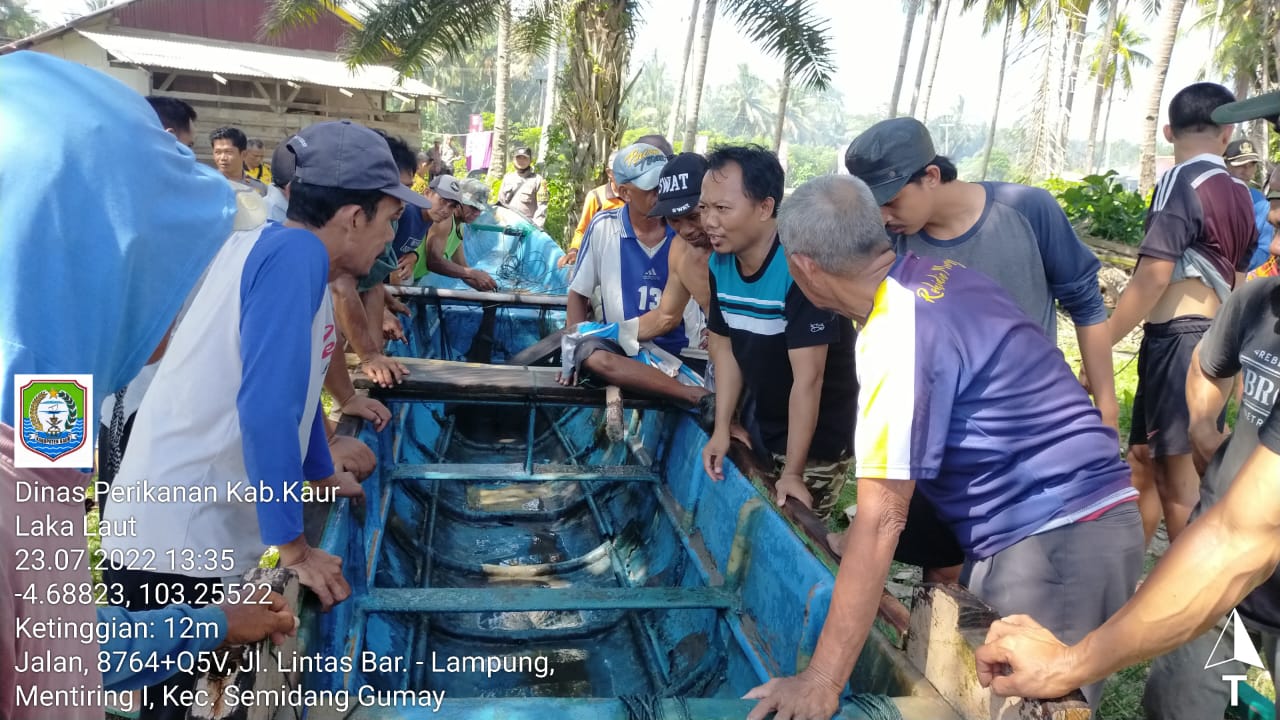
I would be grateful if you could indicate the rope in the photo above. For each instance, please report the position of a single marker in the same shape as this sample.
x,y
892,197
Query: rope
x,y
115,433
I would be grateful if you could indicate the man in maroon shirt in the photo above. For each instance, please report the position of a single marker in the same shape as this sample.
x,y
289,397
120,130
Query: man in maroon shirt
x,y
1199,238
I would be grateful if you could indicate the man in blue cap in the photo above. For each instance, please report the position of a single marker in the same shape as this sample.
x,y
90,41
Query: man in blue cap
x,y
236,401
624,258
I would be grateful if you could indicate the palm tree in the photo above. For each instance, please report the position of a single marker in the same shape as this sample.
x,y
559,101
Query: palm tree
x,y
1044,159
799,30
1169,35
996,13
791,30
1077,12
913,9
1125,49
502,84
699,74
924,52
674,116
1113,11
745,103
933,62
410,34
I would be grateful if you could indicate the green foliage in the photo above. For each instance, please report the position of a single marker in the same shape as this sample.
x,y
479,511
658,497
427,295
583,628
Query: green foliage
x,y
805,162
17,20
1102,207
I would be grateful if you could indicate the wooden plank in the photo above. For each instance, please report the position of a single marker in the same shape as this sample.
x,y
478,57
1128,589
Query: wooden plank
x,y
524,599
444,380
947,625
515,472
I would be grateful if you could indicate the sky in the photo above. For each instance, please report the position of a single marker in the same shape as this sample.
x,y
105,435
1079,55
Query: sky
x,y
867,36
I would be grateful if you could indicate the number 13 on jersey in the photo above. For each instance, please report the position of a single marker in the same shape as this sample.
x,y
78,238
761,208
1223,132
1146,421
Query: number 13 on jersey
x,y
650,297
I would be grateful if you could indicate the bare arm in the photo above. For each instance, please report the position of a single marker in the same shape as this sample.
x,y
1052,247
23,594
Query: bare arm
x,y
1149,282
456,266
670,311
1095,356
351,317
728,392
577,308
1217,560
1206,397
807,367
882,513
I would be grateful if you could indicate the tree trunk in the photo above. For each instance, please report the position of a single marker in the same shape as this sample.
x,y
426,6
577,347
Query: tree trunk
x,y
590,104
699,75
674,116
924,53
549,99
1079,27
903,53
502,81
1168,36
933,63
995,108
1100,85
1043,159
1106,151
780,123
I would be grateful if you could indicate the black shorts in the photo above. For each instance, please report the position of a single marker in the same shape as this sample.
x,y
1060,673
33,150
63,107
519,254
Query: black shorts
x,y
1160,416
926,541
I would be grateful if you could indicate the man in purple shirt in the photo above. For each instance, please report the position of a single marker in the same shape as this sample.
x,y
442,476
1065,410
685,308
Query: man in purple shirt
x,y
1001,439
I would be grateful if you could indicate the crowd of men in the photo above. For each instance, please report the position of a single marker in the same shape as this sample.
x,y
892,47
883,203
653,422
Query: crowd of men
x,y
895,324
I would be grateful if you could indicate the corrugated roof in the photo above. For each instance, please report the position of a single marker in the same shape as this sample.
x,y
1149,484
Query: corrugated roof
x,y
240,61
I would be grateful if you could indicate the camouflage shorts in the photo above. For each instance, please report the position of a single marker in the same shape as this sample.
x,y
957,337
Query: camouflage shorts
x,y
825,480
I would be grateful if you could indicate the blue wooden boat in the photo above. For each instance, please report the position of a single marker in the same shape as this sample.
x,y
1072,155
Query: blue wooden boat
x,y
512,556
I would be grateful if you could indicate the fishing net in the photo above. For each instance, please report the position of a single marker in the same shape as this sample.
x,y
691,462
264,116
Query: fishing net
x,y
521,259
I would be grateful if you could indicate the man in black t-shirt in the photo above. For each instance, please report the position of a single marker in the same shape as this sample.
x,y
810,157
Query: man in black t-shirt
x,y
1243,340
765,336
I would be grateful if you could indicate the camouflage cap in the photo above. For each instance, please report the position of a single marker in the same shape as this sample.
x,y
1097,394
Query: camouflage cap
x,y
474,193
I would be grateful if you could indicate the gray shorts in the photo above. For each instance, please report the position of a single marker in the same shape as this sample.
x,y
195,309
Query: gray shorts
x,y
1180,688
1070,579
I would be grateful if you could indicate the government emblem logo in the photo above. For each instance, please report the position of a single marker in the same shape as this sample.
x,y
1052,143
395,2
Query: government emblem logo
x,y
54,421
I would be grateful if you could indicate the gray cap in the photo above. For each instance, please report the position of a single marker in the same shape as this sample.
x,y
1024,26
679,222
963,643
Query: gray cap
x,y
448,187
888,154
475,193
342,154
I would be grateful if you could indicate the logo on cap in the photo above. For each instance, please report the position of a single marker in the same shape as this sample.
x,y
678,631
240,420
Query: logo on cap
x,y
671,183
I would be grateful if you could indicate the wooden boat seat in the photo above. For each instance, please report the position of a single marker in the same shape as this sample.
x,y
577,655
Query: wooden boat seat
x,y
445,380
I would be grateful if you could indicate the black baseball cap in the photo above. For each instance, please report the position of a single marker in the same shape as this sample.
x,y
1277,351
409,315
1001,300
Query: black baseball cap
x,y
342,154
523,151
680,185
1265,106
888,154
